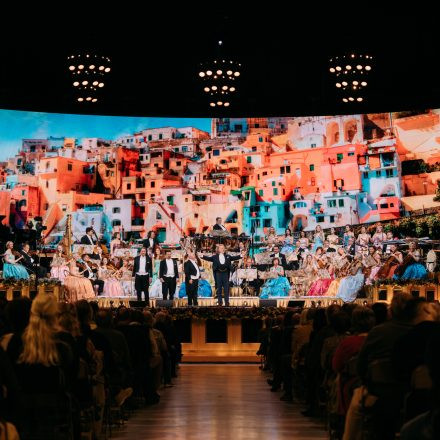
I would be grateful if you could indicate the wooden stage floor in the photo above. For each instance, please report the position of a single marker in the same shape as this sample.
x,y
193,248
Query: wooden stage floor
x,y
219,402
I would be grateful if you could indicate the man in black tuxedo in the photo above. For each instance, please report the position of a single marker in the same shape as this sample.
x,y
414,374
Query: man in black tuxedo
x,y
192,277
221,266
218,225
151,241
87,239
168,275
30,264
92,274
142,272
281,257
350,249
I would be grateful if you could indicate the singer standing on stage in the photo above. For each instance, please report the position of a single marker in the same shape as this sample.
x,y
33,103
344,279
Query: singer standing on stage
x,y
192,277
168,275
142,272
221,266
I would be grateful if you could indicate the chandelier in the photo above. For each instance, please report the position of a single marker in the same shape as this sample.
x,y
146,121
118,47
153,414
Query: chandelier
x,y
350,73
219,79
88,72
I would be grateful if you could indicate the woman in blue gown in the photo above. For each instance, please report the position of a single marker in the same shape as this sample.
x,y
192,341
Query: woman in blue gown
x,y
204,290
350,285
318,238
278,286
416,270
288,246
10,267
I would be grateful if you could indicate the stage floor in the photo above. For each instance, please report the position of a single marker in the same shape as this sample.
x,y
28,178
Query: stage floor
x,y
246,301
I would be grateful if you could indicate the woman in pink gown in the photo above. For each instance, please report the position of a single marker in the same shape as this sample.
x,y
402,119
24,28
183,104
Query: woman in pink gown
x,y
59,268
77,287
112,285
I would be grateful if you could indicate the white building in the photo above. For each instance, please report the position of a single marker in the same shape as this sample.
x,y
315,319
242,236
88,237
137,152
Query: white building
x,y
119,213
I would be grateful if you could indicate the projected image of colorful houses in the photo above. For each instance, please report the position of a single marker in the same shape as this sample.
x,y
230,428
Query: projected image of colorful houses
x,y
254,173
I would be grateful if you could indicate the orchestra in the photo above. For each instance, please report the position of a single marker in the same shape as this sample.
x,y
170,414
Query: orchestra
x,y
316,263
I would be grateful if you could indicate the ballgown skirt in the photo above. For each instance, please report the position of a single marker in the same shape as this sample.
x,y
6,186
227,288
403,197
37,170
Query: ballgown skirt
x,y
16,271
372,275
112,288
319,287
78,288
350,286
156,289
318,243
59,272
204,290
334,287
275,287
287,249
415,271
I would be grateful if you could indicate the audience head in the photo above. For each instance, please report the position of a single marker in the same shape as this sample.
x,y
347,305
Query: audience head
x,y
18,313
123,314
362,319
104,319
398,305
39,346
84,313
68,319
148,318
340,322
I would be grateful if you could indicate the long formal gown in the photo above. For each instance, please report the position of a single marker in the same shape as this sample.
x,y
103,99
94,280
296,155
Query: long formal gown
x,y
156,284
112,286
77,287
318,242
11,269
59,268
350,286
288,246
127,282
204,290
275,287
320,286
415,271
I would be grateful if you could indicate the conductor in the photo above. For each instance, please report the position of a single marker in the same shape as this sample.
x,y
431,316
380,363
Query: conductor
x,y
221,266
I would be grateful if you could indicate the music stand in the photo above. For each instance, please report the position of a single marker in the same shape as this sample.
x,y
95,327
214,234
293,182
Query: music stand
x,y
247,275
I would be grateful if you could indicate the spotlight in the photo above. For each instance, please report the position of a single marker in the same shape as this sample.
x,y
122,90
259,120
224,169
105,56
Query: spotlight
x,y
212,104
236,73
219,103
209,73
107,70
332,70
232,89
76,83
206,89
229,72
92,66
219,72
338,85
201,74
80,99
71,67
226,104
101,85
360,99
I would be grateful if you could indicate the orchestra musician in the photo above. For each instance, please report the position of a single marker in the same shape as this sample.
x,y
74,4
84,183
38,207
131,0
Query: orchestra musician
x,y
11,268
90,271
411,267
281,257
58,265
151,242
379,236
77,286
88,237
30,263
388,268
218,225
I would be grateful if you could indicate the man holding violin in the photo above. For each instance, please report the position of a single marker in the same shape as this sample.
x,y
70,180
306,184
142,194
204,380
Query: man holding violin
x,y
91,269
30,263
87,239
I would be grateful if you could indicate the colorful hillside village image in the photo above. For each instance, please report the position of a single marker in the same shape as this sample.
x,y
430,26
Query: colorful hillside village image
x,y
311,206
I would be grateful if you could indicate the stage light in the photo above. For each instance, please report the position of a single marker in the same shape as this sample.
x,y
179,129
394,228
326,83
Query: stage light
x,y
350,80
218,77
87,78
226,104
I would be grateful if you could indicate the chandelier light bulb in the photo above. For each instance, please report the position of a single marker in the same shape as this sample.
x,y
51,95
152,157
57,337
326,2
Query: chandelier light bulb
x,y
71,67
206,89
80,99
201,74
345,99
219,72
226,104
101,67
355,83
219,102
232,89
94,100
212,104
101,85
225,87
214,87
88,98
364,83
84,83
348,67
237,73
367,67
351,99
359,67
338,68
360,99
209,73
229,72
92,66
76,83
107,69
338,85
332,70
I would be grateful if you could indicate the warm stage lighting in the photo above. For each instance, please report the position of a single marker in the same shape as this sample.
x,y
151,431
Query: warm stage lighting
x,y
350,81
219,78
88,78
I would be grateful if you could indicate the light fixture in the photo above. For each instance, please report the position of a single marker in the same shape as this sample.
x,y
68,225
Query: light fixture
x,y
350,81
219,77
87,77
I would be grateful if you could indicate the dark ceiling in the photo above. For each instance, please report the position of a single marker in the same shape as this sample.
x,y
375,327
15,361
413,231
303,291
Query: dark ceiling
x,y
155,54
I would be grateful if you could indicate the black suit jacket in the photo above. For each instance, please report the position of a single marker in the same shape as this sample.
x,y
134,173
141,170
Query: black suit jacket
x,y
190,270
26,260
215,260
163,269
85,240
146,243
148,265
218,228
283,260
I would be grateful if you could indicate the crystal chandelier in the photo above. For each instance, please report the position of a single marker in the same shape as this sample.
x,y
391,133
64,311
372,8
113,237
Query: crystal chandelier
x,y
88,74
350,73
219,79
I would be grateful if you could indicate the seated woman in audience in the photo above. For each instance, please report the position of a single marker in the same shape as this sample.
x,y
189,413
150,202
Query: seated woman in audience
x,y
42,369
58,266
278,286
11,268
350,285
76,285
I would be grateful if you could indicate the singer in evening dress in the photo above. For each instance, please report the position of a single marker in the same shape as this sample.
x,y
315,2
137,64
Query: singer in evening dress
x,y
11,269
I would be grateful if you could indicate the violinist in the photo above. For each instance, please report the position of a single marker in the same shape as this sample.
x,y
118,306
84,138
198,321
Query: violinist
x,y
90,271
411,267
395,258
88,238
59,269
10,267
97,254
30,263
281,257
110,276
76,285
